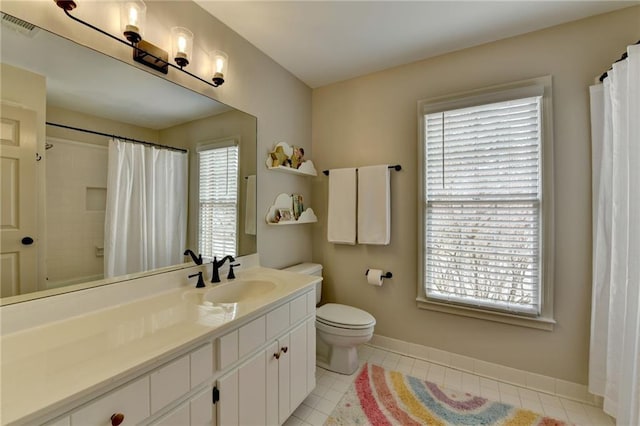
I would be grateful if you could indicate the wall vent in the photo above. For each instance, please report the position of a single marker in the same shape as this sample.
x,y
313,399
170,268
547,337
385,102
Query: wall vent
x,y
18,25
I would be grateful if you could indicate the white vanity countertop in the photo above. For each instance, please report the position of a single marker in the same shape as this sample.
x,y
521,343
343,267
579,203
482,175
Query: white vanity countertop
x,y
45,368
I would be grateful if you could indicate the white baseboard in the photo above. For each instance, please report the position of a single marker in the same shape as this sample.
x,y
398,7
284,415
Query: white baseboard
x,y
522,378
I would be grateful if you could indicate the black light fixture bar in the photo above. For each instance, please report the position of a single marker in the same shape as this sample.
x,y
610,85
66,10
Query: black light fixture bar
x,y
140,55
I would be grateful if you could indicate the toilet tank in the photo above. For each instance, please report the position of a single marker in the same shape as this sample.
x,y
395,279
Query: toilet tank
x,y
314,269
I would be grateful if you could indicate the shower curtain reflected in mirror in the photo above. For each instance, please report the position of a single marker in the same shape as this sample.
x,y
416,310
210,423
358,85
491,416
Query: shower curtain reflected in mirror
x,y
146,214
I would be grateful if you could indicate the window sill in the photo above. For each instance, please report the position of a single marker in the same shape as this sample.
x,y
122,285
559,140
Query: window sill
x,y
540,323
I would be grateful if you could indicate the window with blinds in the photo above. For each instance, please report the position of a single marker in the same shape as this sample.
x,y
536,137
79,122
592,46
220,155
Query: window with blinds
x,y
483,193
218,209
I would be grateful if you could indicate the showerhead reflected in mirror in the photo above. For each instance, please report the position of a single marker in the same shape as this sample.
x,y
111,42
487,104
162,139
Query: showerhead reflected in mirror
x,y
58,195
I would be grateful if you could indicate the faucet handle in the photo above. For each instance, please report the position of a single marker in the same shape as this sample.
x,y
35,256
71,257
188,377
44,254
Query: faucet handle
x,y
200,283
231,275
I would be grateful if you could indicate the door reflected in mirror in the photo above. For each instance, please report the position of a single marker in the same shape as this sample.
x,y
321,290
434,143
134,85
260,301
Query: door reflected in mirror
x,y
54,179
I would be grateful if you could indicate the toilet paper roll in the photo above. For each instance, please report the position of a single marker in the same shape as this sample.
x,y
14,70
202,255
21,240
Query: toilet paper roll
x,y
374,277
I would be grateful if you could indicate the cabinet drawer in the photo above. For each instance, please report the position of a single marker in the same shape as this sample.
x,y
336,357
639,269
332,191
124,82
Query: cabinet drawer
x,y
201,364
251,336
227,349
311,302
176,417
65,421
131,400
169,382
298,309
277,321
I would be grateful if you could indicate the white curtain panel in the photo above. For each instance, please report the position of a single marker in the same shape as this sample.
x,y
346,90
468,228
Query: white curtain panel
x,y
146,212
614,363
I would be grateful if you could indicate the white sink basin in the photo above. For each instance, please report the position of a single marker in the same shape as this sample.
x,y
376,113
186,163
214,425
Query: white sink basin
x,y
231,292
239,290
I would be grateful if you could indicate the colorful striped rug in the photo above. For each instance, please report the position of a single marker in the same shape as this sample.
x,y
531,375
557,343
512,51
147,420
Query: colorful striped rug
x,y
380,397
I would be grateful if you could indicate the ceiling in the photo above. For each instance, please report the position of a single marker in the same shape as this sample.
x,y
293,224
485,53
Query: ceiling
x,y
322,42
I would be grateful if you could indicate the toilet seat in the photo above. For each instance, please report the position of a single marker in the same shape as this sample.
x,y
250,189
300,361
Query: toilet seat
x,y
343,316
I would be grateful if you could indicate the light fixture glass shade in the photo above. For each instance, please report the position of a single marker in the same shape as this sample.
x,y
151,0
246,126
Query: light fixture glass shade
x,y
133,15
219,63
181,45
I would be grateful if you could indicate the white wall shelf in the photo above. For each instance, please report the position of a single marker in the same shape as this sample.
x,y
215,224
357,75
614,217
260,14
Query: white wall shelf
x,y
306,168
283,201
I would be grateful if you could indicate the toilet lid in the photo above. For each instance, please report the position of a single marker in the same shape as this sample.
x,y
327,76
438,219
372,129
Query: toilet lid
x,y
344,316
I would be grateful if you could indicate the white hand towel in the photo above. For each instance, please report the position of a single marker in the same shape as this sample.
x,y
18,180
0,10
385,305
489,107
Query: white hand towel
x,y
341,217
374,205
250,206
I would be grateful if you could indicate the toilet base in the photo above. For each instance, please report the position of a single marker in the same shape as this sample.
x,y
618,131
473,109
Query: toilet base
x,y
339,359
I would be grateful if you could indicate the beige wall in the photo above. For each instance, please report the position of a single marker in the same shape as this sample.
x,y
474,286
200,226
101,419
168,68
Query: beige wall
x,y
372,120
255,84
232,124
92,122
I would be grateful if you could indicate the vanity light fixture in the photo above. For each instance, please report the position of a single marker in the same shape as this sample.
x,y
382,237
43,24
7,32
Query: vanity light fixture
x,y
219,61
181,45
133,15
132,20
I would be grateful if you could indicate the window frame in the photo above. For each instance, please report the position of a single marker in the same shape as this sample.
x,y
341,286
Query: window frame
x,y
503,92
207,146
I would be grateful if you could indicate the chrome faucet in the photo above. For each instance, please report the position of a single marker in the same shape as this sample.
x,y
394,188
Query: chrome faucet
x,y
215,276
196,259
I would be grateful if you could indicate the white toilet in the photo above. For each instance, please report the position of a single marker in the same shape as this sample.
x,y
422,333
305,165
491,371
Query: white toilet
x,y
339,328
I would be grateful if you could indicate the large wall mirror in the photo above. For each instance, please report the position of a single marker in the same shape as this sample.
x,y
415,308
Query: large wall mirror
x,y
60,185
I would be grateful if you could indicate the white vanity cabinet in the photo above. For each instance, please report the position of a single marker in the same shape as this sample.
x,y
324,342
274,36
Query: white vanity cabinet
x,y
168,384
287,377
253,369
197,411
265,384
130,401
145,397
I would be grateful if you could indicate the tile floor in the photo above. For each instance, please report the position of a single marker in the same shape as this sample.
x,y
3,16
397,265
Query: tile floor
x,y
330,387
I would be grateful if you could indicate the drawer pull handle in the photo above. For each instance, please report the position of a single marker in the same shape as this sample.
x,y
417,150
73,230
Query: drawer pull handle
x,y
284,349
116,419
277,355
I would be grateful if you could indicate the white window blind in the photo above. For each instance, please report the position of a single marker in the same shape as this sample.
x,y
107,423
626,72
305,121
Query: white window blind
x,y
218,213
482,218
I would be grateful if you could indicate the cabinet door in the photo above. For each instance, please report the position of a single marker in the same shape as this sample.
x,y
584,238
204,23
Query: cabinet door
x,y
201,409
284,378
311,354
227,406
298,365
252,391
272,360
